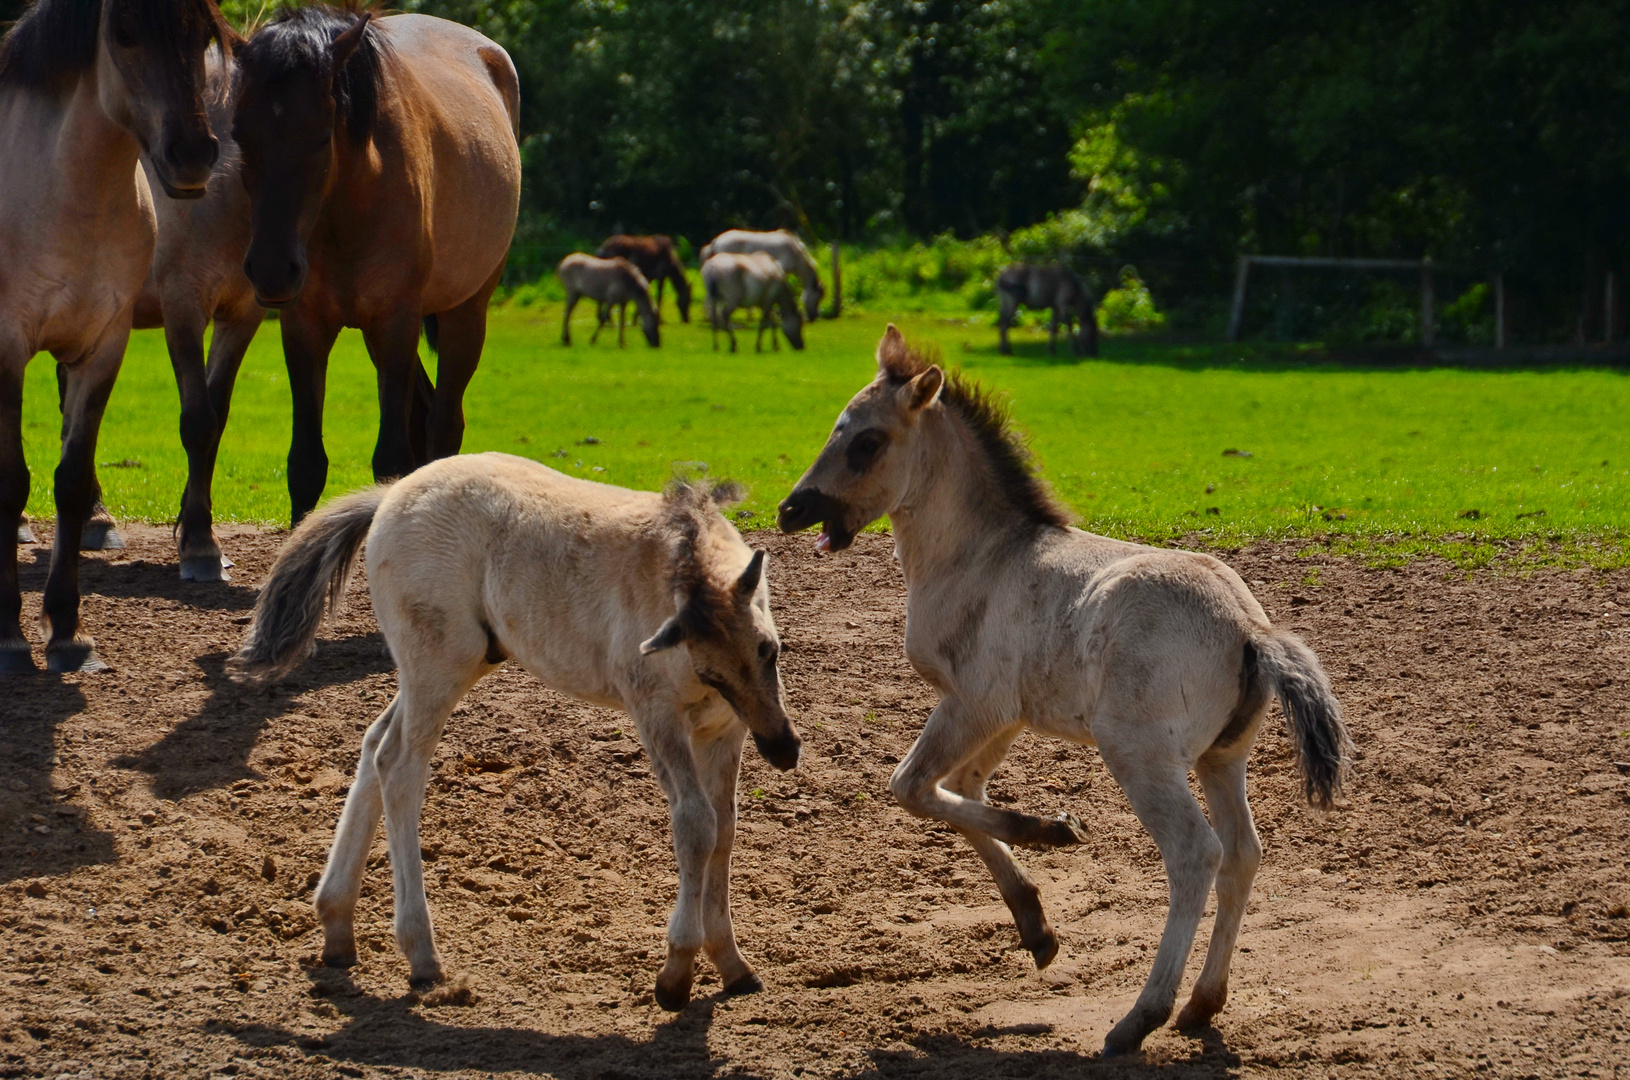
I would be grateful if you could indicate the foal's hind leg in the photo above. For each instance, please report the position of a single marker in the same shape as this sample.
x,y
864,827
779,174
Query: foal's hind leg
x,y
719,762
1224,783
336,899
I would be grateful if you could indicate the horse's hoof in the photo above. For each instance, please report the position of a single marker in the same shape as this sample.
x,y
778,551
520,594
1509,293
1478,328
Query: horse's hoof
x,y
1066,830
25,534
673,998
17,660
749,983
424,984
1044,949
101,536
340,959
75,657
205,568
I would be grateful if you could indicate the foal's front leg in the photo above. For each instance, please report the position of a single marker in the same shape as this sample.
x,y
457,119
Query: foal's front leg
x,y
719,759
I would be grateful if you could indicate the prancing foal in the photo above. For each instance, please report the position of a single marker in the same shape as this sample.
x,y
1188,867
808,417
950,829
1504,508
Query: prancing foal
x,y
647,603
384,179
85,87
1162,659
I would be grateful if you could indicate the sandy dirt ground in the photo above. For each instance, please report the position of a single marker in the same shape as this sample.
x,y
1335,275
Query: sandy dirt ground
x,y
161,828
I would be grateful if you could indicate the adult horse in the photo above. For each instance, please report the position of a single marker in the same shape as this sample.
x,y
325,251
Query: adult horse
x,y
1059,290
1161,659
384,177
658,259
786,249
86,86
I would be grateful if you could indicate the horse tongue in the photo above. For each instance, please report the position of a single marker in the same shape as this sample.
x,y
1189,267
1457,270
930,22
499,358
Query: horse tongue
x,y
823,542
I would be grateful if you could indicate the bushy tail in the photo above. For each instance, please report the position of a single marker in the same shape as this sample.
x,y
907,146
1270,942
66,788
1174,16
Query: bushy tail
x,y
1323,749
310,574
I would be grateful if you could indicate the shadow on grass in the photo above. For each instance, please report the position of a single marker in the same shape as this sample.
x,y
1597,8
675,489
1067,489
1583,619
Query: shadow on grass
x,y
211,748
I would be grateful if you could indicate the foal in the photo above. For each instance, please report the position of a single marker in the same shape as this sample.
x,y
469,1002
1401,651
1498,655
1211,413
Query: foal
x,y
1162,659
610,283
751,280
788,252
1059,290
593,589
656,258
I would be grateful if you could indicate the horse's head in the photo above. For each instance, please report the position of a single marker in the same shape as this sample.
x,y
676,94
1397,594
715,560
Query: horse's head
x,y
649,324
813,292
151,81
734,649
792,324
302,79
866,466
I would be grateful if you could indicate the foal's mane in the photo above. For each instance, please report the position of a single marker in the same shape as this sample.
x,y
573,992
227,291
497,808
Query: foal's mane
x,y
987,416
298,38
686,507
55,39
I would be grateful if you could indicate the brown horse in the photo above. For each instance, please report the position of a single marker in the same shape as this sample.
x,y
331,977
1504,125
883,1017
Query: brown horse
x,y
86,86
384,177
658,259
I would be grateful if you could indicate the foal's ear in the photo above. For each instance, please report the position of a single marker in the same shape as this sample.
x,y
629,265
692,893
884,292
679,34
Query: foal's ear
x,y
920,392
341,48
893,357
671,634
747,584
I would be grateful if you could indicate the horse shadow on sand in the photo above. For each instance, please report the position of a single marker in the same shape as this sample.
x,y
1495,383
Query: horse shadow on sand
x,y
43,833
402,1034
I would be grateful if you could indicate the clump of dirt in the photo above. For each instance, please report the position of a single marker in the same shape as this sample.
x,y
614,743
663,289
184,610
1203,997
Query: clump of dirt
x,y
161,829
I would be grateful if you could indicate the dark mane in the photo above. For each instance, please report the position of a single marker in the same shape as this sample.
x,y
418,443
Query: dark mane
x,y
686,507
56,39
986,414
298,38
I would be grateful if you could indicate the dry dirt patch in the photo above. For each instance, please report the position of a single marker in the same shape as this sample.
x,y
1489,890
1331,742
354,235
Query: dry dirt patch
x,y
160,830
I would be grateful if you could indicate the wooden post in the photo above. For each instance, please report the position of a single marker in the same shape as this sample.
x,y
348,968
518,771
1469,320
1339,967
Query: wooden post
x,y
837,283
1428,329
1607,309
1236,315
1499,311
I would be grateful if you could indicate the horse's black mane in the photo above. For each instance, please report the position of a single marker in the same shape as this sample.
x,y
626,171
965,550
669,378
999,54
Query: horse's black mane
x,y
298,39
55,39
687,504
987,417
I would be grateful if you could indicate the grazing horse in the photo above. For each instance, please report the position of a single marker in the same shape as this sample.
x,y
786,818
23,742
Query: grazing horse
x,y
86,86
1061,291
474,560
384,177
1162,659
658,259
610,283
786,249
754,280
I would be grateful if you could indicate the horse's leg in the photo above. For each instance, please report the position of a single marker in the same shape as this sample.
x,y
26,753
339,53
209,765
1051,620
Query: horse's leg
x,y
601,317
1159,793
393,342
730,326
572,296
660,282
16,657
719,762
1224,783
336,899
622,320
227,347
695,828
89,382
306,345
950,739
462,336
101,532
1020,894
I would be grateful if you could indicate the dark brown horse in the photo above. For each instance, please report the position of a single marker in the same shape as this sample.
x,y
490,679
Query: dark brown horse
x,y
658,259
86,87
384,177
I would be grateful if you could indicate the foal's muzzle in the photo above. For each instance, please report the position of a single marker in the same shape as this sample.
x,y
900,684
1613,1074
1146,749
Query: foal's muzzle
x,y
810,506
781,751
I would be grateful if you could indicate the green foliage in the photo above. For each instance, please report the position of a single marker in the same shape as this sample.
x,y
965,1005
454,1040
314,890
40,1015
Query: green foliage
x,y
1129,307
945,273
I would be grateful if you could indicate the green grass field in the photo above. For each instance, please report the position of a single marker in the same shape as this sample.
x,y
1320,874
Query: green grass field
x,y
1135,441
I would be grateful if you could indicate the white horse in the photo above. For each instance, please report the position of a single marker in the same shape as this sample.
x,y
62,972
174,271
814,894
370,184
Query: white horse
x,y
753,280
593,589
788,252
84,87
610,283
1162,659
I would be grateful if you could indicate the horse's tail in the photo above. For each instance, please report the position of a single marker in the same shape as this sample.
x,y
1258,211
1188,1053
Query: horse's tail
x,y
432,334
310,573
1323,748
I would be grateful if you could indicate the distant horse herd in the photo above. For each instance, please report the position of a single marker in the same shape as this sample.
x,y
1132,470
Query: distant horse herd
x,y
350,169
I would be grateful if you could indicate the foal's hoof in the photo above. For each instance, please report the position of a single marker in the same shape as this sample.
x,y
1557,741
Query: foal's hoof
x,y
340,959
205,568
75,657
1065,830
101,536
424,984
1043,948
17,660
749,983
25,534
673,998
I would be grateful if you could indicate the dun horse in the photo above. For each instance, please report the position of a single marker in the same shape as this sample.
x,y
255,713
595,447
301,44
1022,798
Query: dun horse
x,y
1162,659
610,283
750,281
384,179
788,252
86,86
1057,289
658,259
647,603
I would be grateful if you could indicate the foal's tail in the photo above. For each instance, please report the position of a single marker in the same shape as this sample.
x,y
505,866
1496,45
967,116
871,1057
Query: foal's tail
x,y
310,574
1323,749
